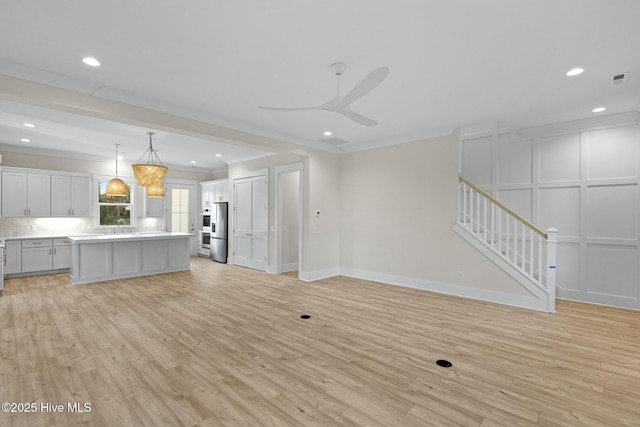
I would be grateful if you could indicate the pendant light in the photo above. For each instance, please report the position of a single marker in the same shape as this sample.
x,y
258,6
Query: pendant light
x,y
116,187
155,190
150,172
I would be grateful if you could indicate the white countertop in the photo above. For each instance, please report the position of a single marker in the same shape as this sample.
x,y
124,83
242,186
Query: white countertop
x,y
128,236
44,236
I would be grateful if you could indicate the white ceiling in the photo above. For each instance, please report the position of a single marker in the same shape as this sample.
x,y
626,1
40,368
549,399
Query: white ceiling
x,y
453,63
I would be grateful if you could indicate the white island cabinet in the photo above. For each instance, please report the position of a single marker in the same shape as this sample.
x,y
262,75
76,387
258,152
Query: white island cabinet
x,y
106,257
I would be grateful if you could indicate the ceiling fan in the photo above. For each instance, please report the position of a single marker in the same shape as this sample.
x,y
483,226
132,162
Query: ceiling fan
x,y
341,104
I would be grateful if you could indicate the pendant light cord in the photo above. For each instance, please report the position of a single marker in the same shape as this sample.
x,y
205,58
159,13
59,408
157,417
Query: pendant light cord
x,y
116,159
152,157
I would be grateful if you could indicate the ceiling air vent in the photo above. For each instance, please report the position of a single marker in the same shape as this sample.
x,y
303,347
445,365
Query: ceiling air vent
x,y
618,79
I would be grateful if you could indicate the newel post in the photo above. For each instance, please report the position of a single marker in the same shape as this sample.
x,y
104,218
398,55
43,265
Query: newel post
x,y
552,241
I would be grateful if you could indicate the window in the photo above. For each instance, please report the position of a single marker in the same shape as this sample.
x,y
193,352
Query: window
x,y
180,210
114,211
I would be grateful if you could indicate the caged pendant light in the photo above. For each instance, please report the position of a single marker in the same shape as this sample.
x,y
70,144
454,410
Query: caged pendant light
x,y
116,187
152,172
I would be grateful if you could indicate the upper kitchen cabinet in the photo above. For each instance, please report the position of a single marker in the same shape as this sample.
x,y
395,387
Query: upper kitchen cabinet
x,y
214,191
149,207
207,193
26,194
70,196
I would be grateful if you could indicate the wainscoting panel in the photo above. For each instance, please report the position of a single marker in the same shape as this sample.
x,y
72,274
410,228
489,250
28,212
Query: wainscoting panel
x,y
560,158
581,178
561,209
514,161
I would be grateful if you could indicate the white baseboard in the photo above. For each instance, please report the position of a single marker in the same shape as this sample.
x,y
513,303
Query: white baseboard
x,y
272,269
318,275
522,301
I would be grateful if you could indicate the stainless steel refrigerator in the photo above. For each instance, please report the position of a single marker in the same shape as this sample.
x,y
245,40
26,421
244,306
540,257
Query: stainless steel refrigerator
x,y
218,243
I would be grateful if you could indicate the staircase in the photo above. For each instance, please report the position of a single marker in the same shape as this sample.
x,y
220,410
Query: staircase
x,y
520,249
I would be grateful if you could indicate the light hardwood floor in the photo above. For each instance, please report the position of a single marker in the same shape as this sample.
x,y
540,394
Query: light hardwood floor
x,y
223,345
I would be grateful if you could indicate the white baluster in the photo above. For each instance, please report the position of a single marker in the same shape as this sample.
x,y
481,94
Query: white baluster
x,y
493,224
470,226
524,247
552,241
515,241
499,230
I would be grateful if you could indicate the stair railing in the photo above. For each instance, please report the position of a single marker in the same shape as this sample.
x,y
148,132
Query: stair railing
x,y
518,242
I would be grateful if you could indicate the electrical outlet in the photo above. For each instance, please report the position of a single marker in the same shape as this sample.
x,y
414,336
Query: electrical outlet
x,y
460,275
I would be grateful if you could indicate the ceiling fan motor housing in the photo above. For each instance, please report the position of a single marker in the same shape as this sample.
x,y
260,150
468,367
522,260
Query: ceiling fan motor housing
x,y
338,68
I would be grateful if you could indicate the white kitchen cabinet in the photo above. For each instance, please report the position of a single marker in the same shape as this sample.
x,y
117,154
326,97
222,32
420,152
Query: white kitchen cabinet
x,y
37,255
220,191
61,254
149,206
26,194
207,194
215,191
154,206
13,257
70,196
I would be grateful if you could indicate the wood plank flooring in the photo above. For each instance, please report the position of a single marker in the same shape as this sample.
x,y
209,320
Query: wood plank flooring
x,y
225,346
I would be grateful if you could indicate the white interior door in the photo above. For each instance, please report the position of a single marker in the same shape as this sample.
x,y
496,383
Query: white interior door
x,y
251,198
182,213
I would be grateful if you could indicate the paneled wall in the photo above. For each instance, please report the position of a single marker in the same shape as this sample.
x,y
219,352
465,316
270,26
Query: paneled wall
x,y
581,179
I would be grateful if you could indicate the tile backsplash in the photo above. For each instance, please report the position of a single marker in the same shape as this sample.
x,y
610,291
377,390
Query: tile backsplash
x,y
15,227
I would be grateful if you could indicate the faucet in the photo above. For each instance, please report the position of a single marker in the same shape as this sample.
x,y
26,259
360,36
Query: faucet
x,y
121,221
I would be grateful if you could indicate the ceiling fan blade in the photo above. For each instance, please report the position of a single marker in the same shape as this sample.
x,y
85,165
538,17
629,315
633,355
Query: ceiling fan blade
x,y
366,85
287,109
325,106
358,118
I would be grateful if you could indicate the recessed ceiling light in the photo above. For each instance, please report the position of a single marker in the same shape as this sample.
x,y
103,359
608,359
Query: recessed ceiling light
x,y
598,109
574,72
25,140
91,61
119,157
327,133
218,155
29,125
193,162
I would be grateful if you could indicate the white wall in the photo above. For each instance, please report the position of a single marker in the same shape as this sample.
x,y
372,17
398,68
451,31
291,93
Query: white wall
x,y
581,178
398,206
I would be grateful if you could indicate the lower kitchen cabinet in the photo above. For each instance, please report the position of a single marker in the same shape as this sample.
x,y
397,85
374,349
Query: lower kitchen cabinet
x,y
13,257
37,256
61,254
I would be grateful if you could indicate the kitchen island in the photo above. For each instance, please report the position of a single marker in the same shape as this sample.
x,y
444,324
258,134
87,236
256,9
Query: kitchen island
x,y
114,256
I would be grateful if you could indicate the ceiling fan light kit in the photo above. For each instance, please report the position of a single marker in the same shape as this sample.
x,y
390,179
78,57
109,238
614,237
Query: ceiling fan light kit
x,y
152,172
341,105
